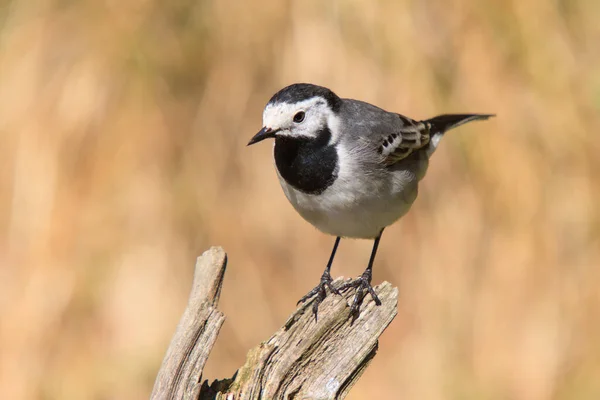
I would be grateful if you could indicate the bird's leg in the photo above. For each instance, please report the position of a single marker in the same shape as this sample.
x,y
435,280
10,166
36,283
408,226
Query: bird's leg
x,y
362,284
326,282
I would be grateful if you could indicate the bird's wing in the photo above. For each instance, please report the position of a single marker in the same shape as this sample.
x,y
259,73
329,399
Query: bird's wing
x,y
407,137
392,137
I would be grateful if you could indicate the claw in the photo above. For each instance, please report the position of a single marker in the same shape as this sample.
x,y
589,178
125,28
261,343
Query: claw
x,y
333,289
309,294
362,285
321,292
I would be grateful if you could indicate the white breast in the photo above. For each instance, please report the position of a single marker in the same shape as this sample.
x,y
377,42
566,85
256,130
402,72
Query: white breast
x,y
357,204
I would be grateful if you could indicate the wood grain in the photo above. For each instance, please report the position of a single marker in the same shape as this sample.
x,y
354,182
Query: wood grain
x,y
304,359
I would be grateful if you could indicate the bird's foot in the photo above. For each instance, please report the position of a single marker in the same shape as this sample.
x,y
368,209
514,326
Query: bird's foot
x,y
320,292
362,284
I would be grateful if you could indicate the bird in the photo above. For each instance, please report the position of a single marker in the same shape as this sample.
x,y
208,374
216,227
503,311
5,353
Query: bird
x,y
349,168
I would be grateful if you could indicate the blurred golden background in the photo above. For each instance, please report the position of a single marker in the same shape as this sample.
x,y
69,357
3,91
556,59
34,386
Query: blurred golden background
x,y
123,127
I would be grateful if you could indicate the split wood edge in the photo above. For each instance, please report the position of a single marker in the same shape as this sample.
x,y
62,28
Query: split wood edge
x,y
304,359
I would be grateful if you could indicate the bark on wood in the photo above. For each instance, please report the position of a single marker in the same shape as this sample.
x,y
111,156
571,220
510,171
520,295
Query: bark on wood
x,y
304,359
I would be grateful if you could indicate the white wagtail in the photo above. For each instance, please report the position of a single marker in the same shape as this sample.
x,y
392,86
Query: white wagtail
x,y
348,167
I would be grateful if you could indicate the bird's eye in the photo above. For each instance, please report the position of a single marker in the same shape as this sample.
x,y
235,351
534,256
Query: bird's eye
x,y
299,117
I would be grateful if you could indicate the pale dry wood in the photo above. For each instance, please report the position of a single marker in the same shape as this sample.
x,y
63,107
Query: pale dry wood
x,y
180,374
305,359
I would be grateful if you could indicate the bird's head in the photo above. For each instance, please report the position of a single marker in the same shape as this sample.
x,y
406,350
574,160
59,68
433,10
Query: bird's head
x,y
299,111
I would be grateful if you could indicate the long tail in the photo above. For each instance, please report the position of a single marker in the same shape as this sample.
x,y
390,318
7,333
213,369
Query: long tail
x,y
442,123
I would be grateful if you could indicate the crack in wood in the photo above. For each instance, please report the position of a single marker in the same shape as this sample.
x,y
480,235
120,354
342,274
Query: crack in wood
x,y
304,359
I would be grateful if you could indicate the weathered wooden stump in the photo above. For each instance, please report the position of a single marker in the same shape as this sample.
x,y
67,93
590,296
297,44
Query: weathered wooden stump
x,y
304,359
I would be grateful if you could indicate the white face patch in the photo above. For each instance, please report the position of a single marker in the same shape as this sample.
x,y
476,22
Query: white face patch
x,y
317,115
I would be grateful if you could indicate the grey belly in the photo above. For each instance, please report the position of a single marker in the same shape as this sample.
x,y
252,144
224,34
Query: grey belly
x,y
354,211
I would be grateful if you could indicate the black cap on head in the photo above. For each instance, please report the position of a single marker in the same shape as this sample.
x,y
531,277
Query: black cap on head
x,y
304,91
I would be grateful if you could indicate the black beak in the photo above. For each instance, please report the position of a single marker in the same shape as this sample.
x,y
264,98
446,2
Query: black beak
x,y
264,133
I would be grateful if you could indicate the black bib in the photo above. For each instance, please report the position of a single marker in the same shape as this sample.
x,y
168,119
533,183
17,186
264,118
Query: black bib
x,y
309,165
